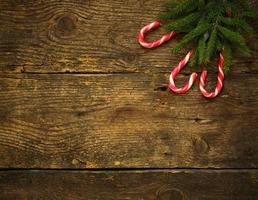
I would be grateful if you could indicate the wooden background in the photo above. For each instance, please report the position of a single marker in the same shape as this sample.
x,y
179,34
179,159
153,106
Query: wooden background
x,y
85,112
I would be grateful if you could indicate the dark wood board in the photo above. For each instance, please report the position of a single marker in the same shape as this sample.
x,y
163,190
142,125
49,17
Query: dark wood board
x,y
125,120
130,185
82,36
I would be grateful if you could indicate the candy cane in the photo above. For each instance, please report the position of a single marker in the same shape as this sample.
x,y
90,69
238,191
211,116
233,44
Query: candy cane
x,y
181,65
149,45
219,82
175,72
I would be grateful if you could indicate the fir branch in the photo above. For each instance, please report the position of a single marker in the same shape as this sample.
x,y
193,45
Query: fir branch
x,y
211,45
183,24
227,57
219,45
194,59
250,14
202,47
223,21
244,49
237,23
245,5
232,36
199,30
178,9
170,6
201,4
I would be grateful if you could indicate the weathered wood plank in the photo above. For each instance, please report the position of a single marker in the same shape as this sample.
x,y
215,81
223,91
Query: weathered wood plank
x,y
125,120
85,36
134,185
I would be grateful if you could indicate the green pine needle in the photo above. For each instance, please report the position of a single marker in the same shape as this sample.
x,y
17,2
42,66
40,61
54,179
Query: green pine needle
x,y
212,45
202,48
199,30
178,9
237,23
232,36
227,57
183,24
195,57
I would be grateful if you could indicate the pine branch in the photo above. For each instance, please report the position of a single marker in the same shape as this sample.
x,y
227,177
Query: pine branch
x,y
223,22
238,24
245,5
195,57
178,9
183,24
201,4
236,40
202,48
199,30
211,45
250,14
227,57
170,6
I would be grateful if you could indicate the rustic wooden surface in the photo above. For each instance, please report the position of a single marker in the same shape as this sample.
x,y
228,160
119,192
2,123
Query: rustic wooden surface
x,y
78,92
123,120
84,36
137,185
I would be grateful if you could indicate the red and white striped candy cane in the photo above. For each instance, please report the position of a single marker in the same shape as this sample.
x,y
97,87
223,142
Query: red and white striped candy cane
x,y
219,82
221,75
149,45
175,72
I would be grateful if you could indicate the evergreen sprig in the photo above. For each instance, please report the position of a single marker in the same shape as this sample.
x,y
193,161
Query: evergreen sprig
x,y
209,25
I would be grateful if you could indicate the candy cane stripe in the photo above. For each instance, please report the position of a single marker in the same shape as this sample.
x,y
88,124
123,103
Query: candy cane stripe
x,y
162,40
175,72
219,82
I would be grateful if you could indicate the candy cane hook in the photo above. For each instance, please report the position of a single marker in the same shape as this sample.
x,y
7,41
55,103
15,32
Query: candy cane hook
x,y
219,82
149,45
175,72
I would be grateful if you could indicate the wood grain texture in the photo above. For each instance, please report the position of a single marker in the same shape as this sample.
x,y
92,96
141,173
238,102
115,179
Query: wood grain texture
x,y
78,92
125,120
131,185
86,36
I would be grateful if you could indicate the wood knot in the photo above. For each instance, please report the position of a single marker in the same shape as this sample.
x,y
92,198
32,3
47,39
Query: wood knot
x,y
66,25
161,88
170,193
200,145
